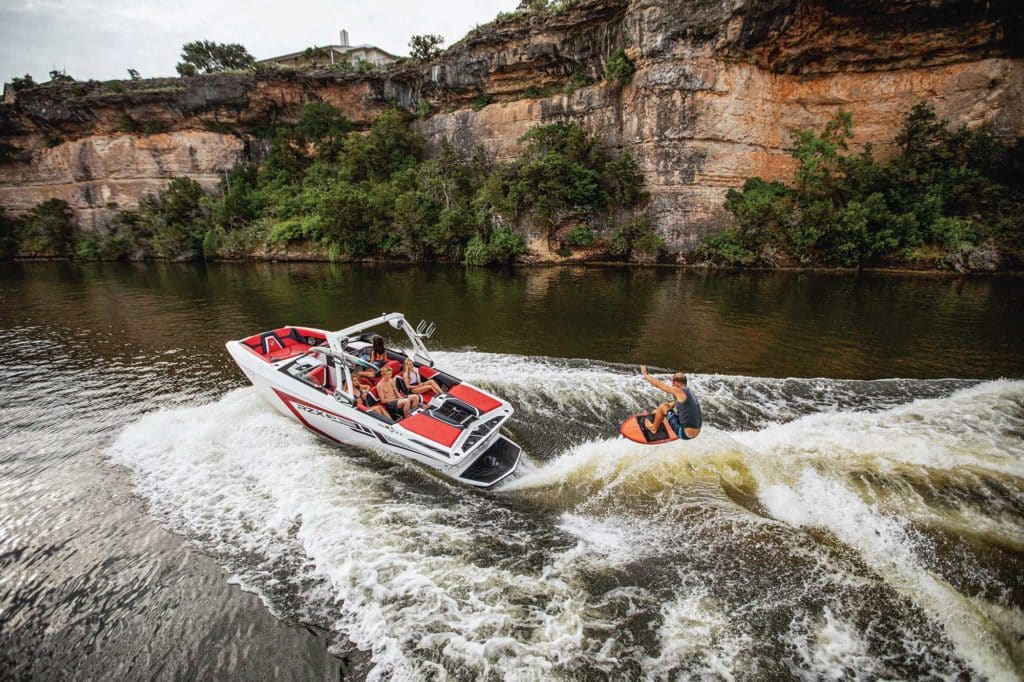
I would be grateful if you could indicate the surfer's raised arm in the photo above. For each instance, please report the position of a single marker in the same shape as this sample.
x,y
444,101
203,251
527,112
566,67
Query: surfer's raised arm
x,y
657,384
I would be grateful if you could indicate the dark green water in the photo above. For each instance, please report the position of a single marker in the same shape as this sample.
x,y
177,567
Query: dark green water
x,y
853,509
760,324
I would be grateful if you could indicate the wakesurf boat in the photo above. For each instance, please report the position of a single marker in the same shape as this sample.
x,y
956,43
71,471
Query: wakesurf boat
x,y
308,375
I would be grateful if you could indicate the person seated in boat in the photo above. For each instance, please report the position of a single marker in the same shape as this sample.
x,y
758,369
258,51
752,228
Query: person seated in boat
x,y
394,400
414,383
683,414
367,400
376,356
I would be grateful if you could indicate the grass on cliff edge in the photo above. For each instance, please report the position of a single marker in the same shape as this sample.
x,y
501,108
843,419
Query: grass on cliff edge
x,y
951,198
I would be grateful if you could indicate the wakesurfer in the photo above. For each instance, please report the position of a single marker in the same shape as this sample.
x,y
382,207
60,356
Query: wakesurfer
x,y
683,415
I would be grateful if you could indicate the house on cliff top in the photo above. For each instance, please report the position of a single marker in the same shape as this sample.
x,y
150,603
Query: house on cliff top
x,y
334,54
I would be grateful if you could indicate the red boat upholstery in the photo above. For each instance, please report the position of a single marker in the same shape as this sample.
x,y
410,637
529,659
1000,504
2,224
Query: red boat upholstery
x,y
285,342
287,352
318,376
431,428
480,401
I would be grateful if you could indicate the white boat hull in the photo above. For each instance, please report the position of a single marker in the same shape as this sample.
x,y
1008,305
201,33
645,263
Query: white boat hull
x,y
336,419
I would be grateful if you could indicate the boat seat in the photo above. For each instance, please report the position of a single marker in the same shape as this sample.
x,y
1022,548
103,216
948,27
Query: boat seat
x,y
481,401
319,377
287,351
270,342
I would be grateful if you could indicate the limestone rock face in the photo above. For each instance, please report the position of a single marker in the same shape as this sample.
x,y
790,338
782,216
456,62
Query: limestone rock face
x,y
719,86
103,173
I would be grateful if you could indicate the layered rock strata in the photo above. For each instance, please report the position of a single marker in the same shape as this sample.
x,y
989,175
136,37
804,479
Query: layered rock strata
x,y
719,86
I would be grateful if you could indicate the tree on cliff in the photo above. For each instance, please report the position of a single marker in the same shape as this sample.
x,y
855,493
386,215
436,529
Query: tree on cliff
x,y
203,56
48,229
425,47
315,55
952,195
60,77
23,83
176,218
8,235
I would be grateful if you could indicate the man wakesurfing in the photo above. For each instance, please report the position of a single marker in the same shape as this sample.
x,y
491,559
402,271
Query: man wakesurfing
x,y
683,415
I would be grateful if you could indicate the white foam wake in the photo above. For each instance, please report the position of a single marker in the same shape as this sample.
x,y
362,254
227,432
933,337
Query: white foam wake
x,y
432,587
396,574
803,470
887,546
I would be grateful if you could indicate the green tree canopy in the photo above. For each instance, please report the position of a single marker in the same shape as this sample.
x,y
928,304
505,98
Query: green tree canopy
x,y
424,47
948,191
23,83
204,56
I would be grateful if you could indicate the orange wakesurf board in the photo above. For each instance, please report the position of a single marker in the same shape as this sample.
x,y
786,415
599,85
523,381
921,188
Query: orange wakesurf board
x,y
633,429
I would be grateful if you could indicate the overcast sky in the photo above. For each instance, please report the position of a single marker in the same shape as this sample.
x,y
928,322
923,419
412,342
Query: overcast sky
x,y
102,39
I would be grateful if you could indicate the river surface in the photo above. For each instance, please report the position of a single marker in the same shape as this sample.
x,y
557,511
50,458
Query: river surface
x,y
854,508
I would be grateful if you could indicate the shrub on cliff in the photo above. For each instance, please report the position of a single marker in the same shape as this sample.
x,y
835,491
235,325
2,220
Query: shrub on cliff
x,y
581,235
8,234
501,248
374,194
726,248
61,77
948,190
203,56
23,83
47,230
562,174
545,5
637,240
619,68
176,218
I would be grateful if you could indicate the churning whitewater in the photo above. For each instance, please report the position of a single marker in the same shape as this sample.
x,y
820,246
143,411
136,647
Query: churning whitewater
x,y
818,528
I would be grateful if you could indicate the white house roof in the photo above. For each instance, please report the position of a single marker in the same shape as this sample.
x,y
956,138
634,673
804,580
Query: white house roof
x,y
341,49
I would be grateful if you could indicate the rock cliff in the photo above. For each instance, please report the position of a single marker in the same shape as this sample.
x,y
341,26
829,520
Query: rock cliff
x,y
718,88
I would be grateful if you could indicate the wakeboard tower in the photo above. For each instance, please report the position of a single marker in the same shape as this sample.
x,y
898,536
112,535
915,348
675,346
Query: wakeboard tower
x,y
307,374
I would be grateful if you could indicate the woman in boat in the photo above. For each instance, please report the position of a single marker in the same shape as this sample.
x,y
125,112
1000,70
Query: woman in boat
x,y
377,357
414,383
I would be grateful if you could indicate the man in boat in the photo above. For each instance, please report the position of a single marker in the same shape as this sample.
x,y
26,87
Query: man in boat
x,y
394,399
683,414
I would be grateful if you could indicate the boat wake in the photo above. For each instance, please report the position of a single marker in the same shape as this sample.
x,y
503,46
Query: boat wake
x,y
816,527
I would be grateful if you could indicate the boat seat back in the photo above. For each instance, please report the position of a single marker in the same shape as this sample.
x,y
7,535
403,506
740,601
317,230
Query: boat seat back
x,y
270,342
320,377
